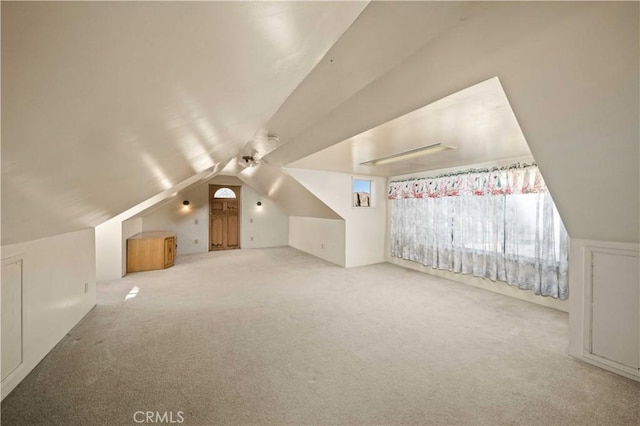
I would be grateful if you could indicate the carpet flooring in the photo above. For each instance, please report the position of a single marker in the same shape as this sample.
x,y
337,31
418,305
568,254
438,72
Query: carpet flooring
x,y
276,336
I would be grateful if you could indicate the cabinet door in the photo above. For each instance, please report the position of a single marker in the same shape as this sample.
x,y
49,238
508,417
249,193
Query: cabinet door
x,y
169,251
615,307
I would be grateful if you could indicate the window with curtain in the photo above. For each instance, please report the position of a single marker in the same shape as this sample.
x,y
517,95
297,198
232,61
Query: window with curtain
x,y
499,224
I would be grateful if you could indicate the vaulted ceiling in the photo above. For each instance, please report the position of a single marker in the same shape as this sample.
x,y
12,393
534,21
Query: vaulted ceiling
x,y
106,104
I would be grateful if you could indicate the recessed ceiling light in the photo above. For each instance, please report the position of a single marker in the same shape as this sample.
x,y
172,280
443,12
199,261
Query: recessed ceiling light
x,y
414,153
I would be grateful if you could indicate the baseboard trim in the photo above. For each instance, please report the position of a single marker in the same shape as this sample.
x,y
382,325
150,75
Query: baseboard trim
x,y
485,284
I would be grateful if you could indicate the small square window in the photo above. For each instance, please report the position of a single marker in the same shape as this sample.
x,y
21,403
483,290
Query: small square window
x,y
361,193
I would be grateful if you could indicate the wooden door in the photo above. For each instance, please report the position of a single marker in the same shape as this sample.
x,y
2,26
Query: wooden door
x,y
224,217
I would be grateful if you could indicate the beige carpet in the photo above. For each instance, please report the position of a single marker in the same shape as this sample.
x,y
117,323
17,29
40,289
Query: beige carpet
x,y
276,336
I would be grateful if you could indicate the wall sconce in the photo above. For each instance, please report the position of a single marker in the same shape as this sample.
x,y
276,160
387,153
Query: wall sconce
x,y
185,203
185,206
259,203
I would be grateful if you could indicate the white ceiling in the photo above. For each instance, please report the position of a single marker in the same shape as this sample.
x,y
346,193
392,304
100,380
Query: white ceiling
x,y
570,71
106,104
477,121
385,35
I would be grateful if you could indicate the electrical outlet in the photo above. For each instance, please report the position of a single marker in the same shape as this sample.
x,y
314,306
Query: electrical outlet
x,y
195,241
195,221
86,288
322,245
251,220
251,238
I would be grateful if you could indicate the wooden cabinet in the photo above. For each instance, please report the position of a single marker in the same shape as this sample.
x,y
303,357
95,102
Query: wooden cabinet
x,y
151,250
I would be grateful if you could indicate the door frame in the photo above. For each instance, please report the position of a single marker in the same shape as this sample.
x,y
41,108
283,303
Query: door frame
x,y
237,189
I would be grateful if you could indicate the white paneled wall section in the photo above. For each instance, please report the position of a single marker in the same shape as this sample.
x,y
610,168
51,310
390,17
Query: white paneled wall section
x,y
604,290
58,276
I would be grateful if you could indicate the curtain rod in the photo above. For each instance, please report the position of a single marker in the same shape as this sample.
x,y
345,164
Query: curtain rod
x,y
469,171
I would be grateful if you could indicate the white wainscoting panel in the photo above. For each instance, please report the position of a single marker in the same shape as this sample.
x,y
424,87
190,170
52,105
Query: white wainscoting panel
x,y
615,304
605,305
12,314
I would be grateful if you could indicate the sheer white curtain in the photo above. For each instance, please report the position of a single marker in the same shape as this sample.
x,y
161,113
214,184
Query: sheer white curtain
x,y
499,224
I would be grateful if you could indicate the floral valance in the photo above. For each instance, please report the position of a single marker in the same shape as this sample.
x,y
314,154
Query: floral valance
x,y
515,179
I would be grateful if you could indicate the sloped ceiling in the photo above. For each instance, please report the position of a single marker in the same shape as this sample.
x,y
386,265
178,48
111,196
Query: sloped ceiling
x,y
571,73
105,104
384,36
476,122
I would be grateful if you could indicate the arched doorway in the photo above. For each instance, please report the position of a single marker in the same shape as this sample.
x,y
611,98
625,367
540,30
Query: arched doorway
x,y
224,217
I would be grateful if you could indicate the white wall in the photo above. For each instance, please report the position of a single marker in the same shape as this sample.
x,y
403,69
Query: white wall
x,y
188,231
55,272
161,219
111,247
324,238
267,224
262,226
130,228
364,226
108,250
